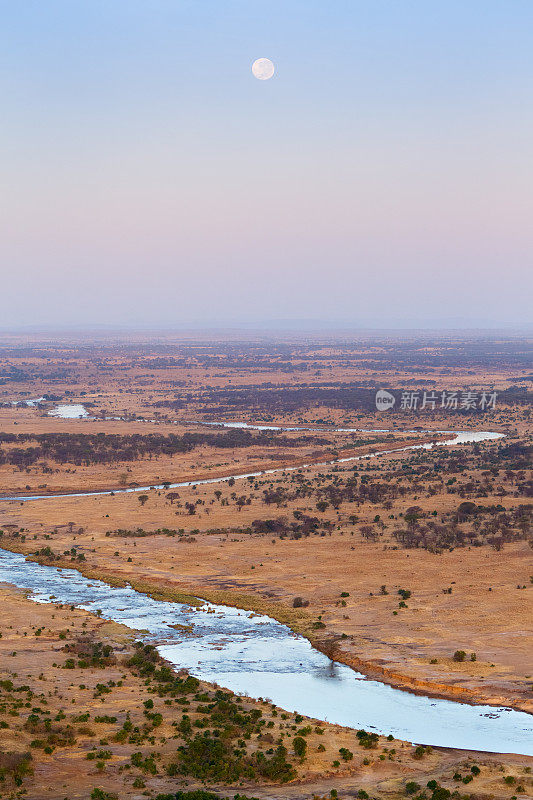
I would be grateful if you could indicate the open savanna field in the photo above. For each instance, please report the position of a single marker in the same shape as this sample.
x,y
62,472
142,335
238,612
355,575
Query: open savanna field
x,y
415,567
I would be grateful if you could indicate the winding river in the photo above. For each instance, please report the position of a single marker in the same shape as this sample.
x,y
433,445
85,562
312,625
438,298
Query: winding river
x,y
456,437
255,655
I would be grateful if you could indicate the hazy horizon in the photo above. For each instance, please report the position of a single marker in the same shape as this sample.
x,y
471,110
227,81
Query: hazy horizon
x,y
383,178
265,329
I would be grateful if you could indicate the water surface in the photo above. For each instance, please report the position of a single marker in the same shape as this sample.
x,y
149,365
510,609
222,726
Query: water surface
x,y
73,411
253,654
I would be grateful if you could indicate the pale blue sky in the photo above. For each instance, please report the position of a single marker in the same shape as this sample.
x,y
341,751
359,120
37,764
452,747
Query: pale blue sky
x,y
384,174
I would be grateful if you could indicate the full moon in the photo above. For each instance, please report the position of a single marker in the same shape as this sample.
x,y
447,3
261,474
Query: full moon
x,y
263,69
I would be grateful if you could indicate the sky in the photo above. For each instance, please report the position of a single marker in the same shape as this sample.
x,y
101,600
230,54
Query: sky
x,y
382,178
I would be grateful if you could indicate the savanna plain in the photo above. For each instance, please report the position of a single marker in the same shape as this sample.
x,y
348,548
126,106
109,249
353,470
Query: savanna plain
x,y
393,549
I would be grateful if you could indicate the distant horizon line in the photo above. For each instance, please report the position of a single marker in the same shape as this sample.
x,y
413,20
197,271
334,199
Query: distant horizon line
x,y
291,326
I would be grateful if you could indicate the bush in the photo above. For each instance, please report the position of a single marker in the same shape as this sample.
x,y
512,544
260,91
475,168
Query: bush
x,y
300,746
459,655
440,793
366,739
277,767
209,758
299,602
146,764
